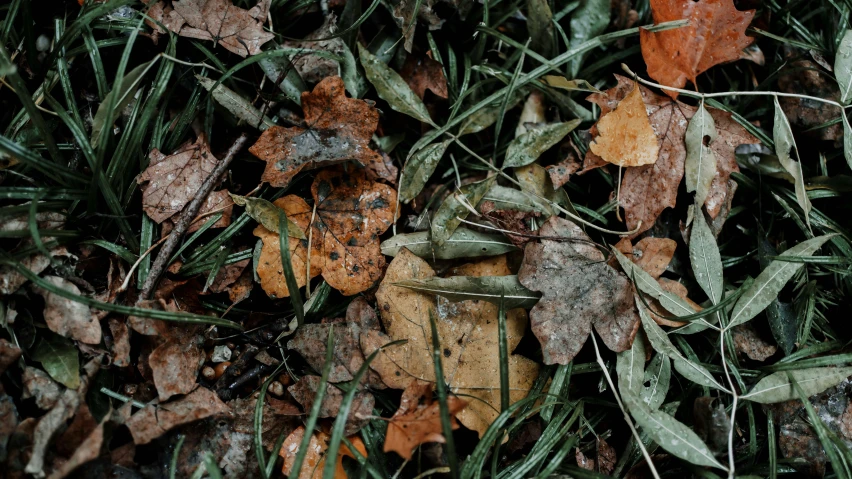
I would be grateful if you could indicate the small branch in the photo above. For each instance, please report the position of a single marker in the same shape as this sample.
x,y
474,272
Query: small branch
x,y
186,218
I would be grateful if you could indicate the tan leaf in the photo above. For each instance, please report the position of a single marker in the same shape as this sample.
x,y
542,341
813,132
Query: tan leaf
x,y
314,461
653,255
625,136
418,419
66,317
175,366
360,411
9,354
661,313
153,421
120,342
747,341
239,31
337,129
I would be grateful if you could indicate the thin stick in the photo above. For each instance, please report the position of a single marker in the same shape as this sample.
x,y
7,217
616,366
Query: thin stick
x,y
186,218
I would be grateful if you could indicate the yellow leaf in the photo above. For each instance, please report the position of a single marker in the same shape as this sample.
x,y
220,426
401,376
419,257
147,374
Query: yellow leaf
x,y
625,134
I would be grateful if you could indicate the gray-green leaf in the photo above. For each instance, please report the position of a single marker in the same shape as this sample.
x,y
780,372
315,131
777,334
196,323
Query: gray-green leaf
x,y
419,168
487,116
59,358
648,285
843,67
587,22
630,367
782,134
353,78
234,103
700,164
119,97
464,243
266,214
658,376
505,198
456,207
526,148
705,258
492,289
847,139
540,26
291,85
777,388
392,88
771,280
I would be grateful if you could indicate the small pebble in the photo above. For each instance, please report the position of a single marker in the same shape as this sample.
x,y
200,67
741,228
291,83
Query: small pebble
x,y
208,373
42,43
221,354
220,369
276,388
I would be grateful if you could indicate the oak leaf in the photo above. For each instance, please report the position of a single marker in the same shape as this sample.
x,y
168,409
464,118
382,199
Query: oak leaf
x,y
314,461
579,291
418,419
467,333
715,35
625,136
351,213
336,129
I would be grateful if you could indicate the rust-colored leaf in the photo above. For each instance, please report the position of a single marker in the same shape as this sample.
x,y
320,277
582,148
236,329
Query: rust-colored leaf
x,y
336,129
625,136
579,291
715,35
651,254
418,419
314,462
351,213
423,73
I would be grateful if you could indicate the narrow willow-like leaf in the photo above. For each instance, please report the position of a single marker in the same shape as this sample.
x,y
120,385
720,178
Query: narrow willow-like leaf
x,y
588,21
59,358
658,376
353,78
419,168
484,288
771,280
648,285
291,85
847,139
777,387
464,243
630,367
234,103
120,96
266,213
505,198
487,115
526,148
843,67
456,207
700,164
782,134
705,258
563,83
392,88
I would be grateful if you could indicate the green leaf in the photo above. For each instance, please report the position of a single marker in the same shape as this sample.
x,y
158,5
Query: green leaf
x,y
540,27
782,134
352,76
59,358
847,139
484,288
291,85
843,67
563,83
648,285
771,280
487,115
658,376
705,258
419,168
587,22
266,214
505,198
392,88
457,206
464,243
630,367
234,103
122,95
526,148
777,387
700,164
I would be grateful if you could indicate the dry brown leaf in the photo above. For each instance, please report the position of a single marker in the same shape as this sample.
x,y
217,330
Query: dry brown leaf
x,y
314,462
747,341
360,412
87,450
239,31
423,73
381,168
653,255
175,365
511,220
804,77
715,35
120,342
69,318
351,213
241,289
579,291
228,275
406,18
661,313
561,172
418,419
625,136
218,202
153,421
38,385
9,354
337,129
468,336
312,67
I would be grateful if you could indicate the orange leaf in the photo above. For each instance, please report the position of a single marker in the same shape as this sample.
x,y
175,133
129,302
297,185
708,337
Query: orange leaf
x,y
337,129
418,419
715,35
625,136
314,462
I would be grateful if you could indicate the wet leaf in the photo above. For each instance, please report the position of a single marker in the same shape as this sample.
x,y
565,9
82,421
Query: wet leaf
x,y
336,129
487,116
527,147
589,20
59,358
705,258
66,317
712,423
278,70
505,198
456,207
317,61
650,254
579,291
715,35
843,67
464,243
556,81
492,289
120,97
155,420
421,72
777,387
234,103
650,286
540,27
418,419
771,280
630,367
392,88
847,139
657,377
625,136
406,14
360,412
419,168
782,134
700,164
175,364
314,462
351,213
747,341
266,213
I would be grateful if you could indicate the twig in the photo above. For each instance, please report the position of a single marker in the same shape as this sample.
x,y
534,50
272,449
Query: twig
x,y
186,218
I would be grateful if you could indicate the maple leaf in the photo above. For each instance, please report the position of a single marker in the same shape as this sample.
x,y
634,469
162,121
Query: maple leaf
x,y
239,31
418,419
647,190
715,35
468,335
351,213
579,291
625,136
423,73
314,461
337,129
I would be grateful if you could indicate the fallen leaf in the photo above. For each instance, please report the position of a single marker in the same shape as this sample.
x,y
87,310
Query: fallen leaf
x,y
314,461
175,365
9,354
605,461
406,14
579,291
351,213
747,341
678,289
239,31
512,220
467,332
155,420
418,419
712,423
227,275
625,136
312,67
38,385
715,35
60,359
360,411
652,254
87,450
423,73
337,129
561,172
69,318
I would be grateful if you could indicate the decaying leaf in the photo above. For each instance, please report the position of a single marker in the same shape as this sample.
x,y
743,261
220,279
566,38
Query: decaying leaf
x,y
239,31
467,333
69,318
60,359
423,73
406,14
175,366
155,420
351,213
747,341
804,77
605,461
38,385
625,136
712,423
579,291
715,34
360,411
314,462
418,419
312,67
336,129
9,354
